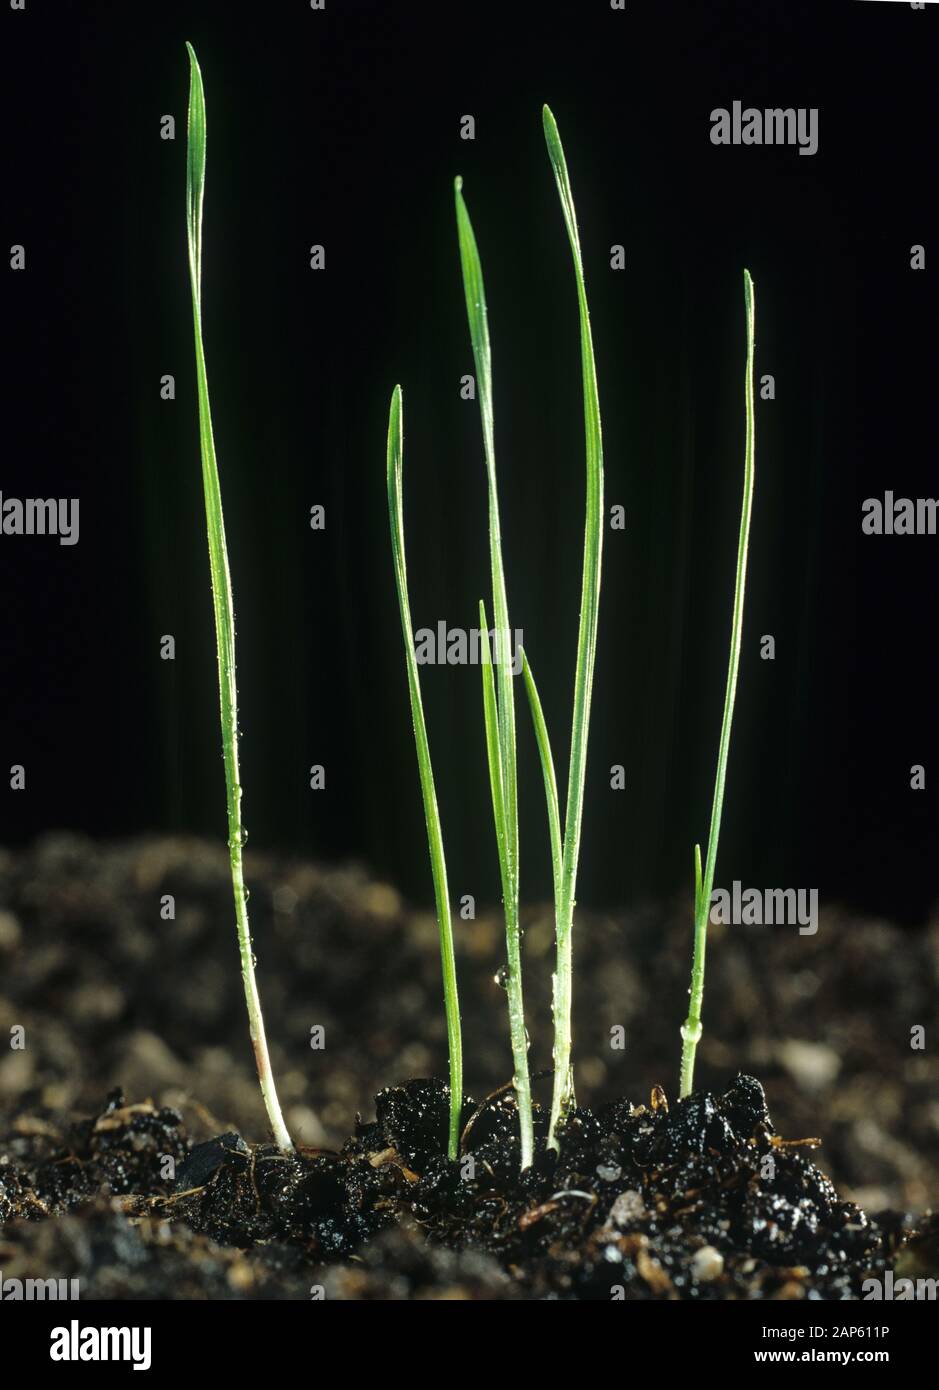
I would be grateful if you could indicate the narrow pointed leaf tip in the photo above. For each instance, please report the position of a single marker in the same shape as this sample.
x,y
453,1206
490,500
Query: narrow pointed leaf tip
x,y
195,166
552,135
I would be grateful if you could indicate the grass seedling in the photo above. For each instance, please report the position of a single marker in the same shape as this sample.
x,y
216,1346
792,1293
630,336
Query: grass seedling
x,y
222,602
563,1094
438,864
499,697
691,1029
498,703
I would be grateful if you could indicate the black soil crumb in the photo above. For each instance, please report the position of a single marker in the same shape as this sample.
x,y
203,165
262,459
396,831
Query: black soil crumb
x,y
698,1200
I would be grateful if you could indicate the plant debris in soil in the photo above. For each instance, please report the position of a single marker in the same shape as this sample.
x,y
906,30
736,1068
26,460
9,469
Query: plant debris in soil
x,y
699,1200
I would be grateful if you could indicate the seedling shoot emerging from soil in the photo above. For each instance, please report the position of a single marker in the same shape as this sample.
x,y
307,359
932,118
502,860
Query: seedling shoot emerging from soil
x,y
703,885
498,703
563,1095
498,696
222,601
438,864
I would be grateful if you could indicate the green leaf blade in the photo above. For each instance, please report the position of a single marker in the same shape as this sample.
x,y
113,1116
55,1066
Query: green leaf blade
x,y
195,166
493,750
223,606
394,474
691,1029
547,770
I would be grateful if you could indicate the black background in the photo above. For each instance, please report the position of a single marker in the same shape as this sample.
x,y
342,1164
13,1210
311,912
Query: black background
x,y
343,128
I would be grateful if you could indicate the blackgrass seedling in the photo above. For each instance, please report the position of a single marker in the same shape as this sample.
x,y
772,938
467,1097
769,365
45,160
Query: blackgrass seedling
x,y
704,884
498,706
563,1094
223,605
498,693
438,863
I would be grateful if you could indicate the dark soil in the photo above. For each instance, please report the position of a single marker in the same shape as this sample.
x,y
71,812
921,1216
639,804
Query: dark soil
x,y
162,1197
701,1201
